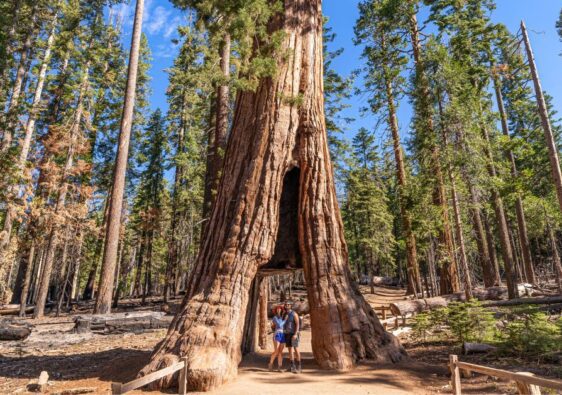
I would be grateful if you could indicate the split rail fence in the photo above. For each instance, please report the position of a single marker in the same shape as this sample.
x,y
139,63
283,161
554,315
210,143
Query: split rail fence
x,y
122,388
526,383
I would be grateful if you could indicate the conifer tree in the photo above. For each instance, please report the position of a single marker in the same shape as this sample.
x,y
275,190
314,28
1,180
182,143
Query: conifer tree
x,y
385,61
105,295
366,210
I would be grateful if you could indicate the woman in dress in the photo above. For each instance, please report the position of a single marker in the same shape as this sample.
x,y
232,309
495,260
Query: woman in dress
x,y
278,324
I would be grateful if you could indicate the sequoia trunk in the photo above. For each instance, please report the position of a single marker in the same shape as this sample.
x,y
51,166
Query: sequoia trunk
x,y
274,135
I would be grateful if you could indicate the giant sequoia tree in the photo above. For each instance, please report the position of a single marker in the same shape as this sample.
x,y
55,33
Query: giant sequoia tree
x,y
277,146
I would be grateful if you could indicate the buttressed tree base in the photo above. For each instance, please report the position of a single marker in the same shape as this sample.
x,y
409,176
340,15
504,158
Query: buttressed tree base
x,y
278,133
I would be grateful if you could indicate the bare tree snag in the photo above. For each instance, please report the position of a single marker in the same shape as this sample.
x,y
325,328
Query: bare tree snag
x,y
545,119
107,277
276,141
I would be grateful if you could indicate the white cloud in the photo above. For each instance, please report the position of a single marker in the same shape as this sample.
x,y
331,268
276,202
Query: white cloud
x,y
158,21
172,27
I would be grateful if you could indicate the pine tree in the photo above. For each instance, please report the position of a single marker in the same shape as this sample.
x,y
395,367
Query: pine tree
x,y
105,295
366,213
385,61
188,94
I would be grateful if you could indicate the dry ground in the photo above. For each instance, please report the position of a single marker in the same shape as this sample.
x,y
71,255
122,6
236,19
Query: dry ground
x,y
91,362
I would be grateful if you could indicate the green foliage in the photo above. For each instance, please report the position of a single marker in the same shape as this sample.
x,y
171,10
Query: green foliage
x,y
366,211
422,326
469,321
531,333
465,321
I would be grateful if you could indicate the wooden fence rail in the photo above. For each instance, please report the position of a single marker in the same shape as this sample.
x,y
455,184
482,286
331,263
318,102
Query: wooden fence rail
x,y
119,388
526,382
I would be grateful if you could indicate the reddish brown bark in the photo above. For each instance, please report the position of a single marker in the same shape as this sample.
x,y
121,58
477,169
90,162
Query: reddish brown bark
x,y
270,137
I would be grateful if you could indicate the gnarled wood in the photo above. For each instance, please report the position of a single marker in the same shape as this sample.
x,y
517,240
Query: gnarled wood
x,y
277,128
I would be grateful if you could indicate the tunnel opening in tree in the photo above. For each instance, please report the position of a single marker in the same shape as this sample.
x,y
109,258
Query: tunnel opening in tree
x,y
286,254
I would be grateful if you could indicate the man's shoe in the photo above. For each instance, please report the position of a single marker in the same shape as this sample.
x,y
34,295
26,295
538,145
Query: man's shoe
x,y
293,369
270,367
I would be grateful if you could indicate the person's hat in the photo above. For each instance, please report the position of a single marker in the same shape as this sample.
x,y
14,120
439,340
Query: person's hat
x,y
289,302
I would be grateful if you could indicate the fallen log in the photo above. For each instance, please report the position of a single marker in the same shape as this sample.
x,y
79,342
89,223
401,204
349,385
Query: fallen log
x,y
522,301
13,309
415,306
14,332
405,307
500,293
122,322
475,348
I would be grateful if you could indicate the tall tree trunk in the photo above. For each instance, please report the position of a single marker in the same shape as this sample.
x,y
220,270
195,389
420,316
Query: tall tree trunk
x,y
263,310
519,210
544,116
413,271
208,192
13,106
28,262
557,265
173,259
222,109
140,259
74,287
490,275
450,280
497,203
273,140
105,294
456,210
492,248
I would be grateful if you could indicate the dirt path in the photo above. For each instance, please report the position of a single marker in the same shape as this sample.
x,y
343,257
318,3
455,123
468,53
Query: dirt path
x,y
404,378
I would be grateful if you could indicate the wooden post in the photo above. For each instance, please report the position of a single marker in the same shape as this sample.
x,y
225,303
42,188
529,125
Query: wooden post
x,y
182,384
384,312
455,374
116,388
527,389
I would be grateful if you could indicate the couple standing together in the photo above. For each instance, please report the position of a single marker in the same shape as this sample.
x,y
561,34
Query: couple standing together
x,y
286,325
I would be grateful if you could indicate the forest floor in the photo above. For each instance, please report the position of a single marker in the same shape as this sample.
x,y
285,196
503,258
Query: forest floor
x,y
82,363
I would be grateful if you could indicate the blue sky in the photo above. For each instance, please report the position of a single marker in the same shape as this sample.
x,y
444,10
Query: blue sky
x,y
161,20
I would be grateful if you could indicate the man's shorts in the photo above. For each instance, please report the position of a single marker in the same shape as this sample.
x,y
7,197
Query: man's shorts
x,y
290,342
